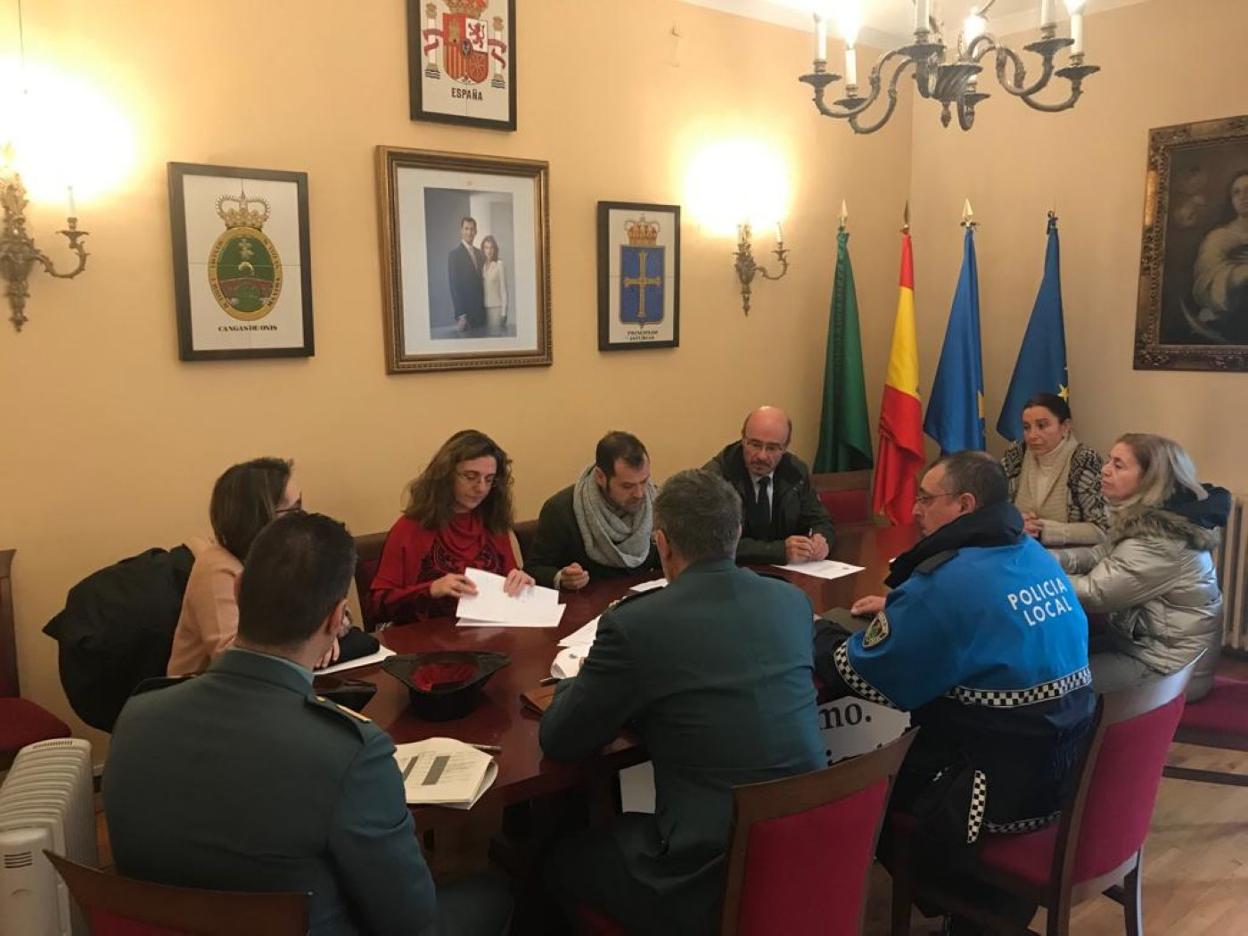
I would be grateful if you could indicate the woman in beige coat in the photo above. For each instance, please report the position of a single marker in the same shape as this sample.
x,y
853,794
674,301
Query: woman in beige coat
x,y
1154,578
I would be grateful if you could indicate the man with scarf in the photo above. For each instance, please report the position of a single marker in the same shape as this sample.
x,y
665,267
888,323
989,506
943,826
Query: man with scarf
x,y
600,526
983,641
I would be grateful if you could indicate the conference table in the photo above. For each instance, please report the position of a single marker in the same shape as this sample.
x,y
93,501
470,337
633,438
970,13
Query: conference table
x,y
523,773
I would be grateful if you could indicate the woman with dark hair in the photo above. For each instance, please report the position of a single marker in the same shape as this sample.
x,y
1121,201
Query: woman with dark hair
x,y
244,500
494,276
1154,578
1055,480
1220,274
458,516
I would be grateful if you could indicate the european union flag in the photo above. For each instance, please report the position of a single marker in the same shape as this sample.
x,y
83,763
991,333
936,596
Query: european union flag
x,y
955,410
1041,366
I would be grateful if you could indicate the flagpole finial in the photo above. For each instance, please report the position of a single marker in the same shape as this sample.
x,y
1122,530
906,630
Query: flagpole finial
x,y
968,215
844,215
905,227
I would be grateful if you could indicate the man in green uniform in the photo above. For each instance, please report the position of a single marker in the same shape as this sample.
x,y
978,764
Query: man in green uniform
x,y
243,779
714,673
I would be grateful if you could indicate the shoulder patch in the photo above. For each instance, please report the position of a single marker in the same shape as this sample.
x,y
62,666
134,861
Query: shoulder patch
x,y
932,563
342,708
877,631
342,715
630,598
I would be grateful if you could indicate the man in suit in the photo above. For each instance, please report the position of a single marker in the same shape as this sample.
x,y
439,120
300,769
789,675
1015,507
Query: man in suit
x,y
784,520
244,779
463,269
714,673
600,526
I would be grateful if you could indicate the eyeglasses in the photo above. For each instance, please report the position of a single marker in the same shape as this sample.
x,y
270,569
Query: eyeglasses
x,y
473,478
925,498
771,448
296,507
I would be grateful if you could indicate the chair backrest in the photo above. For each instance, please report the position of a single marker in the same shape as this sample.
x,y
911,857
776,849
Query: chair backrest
x,y
367,558
846,495
9,685
802,847
526,532
1108,820
119,906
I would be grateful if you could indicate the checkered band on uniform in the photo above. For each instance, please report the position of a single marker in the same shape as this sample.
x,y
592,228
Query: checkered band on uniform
x,y
1010,698
856,683
979,805
1034,824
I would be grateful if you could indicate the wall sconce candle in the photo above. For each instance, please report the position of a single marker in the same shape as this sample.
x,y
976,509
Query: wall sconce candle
x,y
746,266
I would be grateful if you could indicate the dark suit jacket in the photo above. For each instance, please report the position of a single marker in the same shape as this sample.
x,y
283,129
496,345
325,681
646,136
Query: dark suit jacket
x,y
558,543
467,285
714,672
795,506
242,779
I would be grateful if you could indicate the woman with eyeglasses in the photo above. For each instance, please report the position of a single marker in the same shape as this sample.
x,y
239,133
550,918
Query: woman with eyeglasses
x,y
458,517
244,500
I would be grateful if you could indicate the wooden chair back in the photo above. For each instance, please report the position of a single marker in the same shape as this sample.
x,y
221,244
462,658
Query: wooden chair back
x,y
9,685
367,558
846,495
119,906
525,532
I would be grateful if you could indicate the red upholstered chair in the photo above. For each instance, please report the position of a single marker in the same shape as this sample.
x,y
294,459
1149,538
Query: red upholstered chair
x,y
118,906
790,838
846,495
367,558
1097,847
1219,720
22,722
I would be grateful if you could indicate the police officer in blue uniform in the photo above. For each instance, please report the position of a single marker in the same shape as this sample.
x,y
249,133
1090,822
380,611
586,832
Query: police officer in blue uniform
x,y
982,640
244,779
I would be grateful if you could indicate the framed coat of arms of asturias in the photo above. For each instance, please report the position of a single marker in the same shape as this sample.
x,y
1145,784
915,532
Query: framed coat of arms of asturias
x,y
461,61
638,276
241,269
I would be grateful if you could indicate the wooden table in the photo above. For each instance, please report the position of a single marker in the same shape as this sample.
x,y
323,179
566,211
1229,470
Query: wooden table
x,y
522,771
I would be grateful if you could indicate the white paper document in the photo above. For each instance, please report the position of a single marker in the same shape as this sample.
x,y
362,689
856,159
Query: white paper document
x,y
491,607
647,586
444,772
823,568
568,661
582,636
381,654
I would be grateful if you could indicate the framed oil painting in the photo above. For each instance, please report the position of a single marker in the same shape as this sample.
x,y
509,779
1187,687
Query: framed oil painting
x,y
461,61
465,250
638,276
241,269
1192,312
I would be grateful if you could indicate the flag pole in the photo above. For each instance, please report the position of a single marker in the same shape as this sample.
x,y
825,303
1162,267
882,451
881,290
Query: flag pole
x,y
905,226
844,219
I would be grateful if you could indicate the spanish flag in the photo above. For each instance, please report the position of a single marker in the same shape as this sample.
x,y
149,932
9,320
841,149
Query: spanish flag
x,y
901,416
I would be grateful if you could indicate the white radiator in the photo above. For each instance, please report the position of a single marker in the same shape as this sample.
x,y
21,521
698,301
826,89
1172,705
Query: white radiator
x,y
46,801
1233,575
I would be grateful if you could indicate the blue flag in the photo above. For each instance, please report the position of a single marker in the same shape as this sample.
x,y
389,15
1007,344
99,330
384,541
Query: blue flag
x,y
1041,366
955,409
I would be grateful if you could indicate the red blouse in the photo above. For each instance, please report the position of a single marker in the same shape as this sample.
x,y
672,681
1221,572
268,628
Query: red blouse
x,y
414,557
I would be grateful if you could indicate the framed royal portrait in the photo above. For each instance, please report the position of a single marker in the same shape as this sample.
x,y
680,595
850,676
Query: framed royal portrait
x,y
461,61
1192,311
465,256
638,276
241,269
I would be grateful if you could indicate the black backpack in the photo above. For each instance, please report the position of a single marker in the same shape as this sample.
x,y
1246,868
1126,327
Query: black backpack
x,y
117,630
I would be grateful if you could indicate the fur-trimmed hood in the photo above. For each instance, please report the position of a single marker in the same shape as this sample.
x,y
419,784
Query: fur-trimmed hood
x,y
1155,523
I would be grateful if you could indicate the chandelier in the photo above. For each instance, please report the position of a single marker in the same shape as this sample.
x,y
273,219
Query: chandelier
x,y
950,76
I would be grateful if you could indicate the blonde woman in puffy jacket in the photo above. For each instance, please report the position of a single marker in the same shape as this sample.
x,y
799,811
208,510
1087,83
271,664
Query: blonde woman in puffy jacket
x,y
1154,576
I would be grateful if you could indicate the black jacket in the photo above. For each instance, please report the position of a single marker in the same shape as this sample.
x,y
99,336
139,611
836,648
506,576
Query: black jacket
x,y
795,507
558,543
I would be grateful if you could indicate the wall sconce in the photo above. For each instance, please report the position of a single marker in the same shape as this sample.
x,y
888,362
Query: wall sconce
x,y
18,253
747,268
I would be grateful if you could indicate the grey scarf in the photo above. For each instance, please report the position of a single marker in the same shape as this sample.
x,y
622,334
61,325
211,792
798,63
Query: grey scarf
x,y
612,540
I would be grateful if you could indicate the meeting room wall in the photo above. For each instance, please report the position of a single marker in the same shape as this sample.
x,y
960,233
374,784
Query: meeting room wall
x,y
1164,62
111,444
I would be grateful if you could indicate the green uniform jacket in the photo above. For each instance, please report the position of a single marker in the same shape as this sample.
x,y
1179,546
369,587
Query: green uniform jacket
x,y
795,506
715,674
558,543
242,779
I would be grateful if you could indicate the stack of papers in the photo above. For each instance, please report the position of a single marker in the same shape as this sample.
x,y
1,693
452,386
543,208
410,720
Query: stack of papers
x,y
574,650
646,586
823,568
382,653
490,607
444,772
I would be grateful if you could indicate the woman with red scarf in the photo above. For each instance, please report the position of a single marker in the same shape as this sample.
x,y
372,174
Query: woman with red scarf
x,y
458,517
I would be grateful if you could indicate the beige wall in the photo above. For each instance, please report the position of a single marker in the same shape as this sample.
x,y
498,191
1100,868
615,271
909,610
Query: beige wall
x,y
1164,62
112,444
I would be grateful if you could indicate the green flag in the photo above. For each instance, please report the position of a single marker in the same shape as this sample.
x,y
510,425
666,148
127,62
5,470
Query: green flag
x,y
844,434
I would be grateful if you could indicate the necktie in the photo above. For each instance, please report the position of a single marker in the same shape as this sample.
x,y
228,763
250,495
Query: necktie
x,y
760,513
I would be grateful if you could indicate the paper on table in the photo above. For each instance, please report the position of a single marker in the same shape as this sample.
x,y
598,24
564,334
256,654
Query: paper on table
x,y
823,568
381,654
552,620
582,636
444,772
646,586
568,661
534,605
